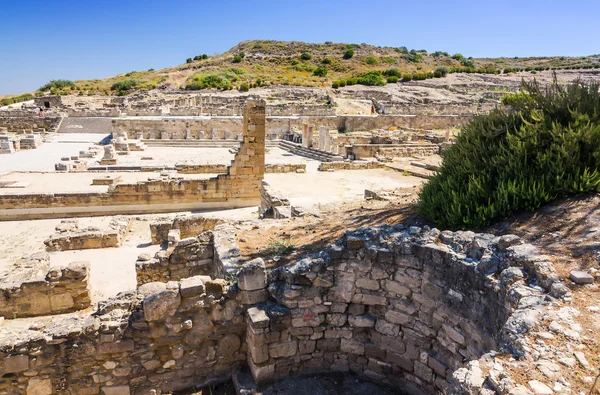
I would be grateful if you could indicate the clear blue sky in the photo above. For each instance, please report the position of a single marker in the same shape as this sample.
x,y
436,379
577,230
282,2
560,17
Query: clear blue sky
x,y
84,39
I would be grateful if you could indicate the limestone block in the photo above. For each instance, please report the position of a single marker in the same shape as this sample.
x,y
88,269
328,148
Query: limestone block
x,y
228,345
253,297
261,373
352,347
192,286
396,317
61,302
258,318
117,390
157,306
283,349
361,321
387,328
252,276
580,277
116,347
16,363
39,386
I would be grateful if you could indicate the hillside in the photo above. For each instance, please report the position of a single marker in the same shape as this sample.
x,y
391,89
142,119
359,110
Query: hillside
x,y
266,62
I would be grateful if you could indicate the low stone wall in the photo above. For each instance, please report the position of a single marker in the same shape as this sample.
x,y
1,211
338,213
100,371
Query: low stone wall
x,y
239,187
27,123
188,226
404,306
188,257
33,288
349,165
70,237
218,169
87,112
285,168
272,205
361,151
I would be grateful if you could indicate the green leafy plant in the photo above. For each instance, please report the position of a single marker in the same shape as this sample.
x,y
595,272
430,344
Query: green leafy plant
x,y
57,84
371,60
545,146
279,248
244,87
348,54
440,71
372,78
306,56
125,85
320,71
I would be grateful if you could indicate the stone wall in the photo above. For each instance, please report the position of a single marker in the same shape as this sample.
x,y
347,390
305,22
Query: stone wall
x,y
350,165
216,128
33,288
186,168
25,122
405,306
70,237
272,204
239,187
186,258
188,226
361,151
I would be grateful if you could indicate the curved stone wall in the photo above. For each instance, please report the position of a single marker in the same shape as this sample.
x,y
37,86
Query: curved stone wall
x,y
408,306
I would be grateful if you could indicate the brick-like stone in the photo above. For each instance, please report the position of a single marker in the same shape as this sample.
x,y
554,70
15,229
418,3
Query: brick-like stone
x,y
396,317
253,275
192,286
580,277
39,386
120,346
16,363
158,306
283,349
258,318
366,283
352,347
361,321
356,309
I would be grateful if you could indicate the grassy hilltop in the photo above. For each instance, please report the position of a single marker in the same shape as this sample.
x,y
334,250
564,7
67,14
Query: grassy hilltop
x,y
267,62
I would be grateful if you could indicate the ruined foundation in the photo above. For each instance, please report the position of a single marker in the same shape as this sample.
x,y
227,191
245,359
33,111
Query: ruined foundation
x,y
404,306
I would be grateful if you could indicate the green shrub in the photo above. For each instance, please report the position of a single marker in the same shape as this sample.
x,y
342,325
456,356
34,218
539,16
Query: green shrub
x,y
125,85
467,63
188,60
16,99
306,56
244,87
547,146
372,78
351,81
441,71
407,77
342,83
326,61
392,79
458,56
237,59
348,54
392,73
413,56
57,84
320,72
388,60
335,85
371,60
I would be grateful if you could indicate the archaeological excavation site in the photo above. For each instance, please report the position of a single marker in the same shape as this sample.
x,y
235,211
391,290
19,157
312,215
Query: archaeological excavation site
x,y
274,238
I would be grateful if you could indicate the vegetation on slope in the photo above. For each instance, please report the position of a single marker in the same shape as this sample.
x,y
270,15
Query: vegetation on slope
x,y
267,62
547,145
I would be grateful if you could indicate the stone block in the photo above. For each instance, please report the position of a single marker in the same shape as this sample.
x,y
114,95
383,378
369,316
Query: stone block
x,y
454,334
369,300
400,360
16,363
352,347
116,390
116,347
61,302
261,373
192,286
158,306
356,309
361,321
423,372
306,346
580,277
396,317
366,283
258,318
283,349
397,288
328,345
252,276
39,386
253,297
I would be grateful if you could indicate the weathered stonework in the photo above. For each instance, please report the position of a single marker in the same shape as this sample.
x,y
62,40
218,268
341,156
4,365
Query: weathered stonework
x,y
405,306
70,237
188,226
33,288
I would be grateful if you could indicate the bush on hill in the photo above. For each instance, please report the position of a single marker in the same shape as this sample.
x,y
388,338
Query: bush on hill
x,y
125,85
546,146
372,78
320,72
57,84
348,54
306,56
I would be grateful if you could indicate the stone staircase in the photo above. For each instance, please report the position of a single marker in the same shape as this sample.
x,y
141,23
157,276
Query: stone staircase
x,y
311,153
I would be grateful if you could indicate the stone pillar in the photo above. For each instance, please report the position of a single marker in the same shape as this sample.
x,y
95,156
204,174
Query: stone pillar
x,y
215,134
324,139
188,134
201,135
447,136
164,135
307,135
139,135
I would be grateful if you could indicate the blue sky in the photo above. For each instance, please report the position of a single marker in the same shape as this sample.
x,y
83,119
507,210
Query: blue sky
x,y
52,39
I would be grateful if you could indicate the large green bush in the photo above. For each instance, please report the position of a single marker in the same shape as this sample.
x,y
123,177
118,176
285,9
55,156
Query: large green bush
x,y
58,84
124,85
372,78
348,54
544,146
